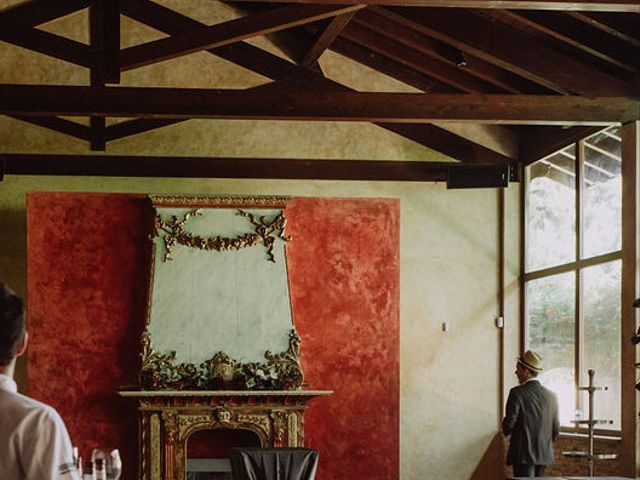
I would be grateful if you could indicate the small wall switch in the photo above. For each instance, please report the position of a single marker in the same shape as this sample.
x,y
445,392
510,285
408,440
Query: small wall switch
x,y
499,322
445,327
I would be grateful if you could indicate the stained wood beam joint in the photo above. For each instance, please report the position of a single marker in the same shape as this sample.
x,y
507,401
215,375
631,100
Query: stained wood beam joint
x,y
207,37
326,38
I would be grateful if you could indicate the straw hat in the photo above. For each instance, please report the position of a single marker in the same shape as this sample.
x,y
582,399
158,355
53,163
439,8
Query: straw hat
x,y
531,360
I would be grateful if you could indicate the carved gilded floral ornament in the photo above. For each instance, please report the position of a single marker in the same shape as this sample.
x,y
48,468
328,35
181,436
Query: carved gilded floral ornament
x,y
281,371
166,370
173,233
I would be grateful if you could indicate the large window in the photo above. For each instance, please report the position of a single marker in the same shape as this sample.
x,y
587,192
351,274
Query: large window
x,y
572,280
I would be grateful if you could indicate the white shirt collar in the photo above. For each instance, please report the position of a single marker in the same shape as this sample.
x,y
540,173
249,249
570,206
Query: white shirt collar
x,y
7,383
534,379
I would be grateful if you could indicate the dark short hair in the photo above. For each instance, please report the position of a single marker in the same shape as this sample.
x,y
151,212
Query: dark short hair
x,y
12,324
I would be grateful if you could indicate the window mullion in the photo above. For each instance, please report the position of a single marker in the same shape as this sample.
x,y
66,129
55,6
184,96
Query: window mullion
x,y
579,321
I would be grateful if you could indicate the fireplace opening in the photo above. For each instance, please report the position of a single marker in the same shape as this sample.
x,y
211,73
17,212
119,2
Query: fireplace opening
x,y
208,452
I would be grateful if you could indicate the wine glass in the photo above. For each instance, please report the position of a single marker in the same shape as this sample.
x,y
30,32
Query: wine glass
x,y
112,462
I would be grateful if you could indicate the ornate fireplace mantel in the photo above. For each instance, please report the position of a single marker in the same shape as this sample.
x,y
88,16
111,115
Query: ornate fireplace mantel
x,y
167,418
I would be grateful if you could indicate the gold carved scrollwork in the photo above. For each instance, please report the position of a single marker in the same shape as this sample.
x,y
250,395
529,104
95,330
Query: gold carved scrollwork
x,y
292,434
189,423
220,202
281,371
169,418
154,446
173,233
261,420
281,368
279,418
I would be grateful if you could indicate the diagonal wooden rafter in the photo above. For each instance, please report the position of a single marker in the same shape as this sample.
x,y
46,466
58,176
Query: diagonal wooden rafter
x,y
49,44
578,35
274,67
443,141
511,50
583,5
427,65
390,68
544,141
60,125
305,104
326,38
204,38
407,31
293,42
620,26
36,12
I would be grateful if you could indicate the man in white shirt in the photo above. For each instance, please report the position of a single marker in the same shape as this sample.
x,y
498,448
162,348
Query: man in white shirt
x,y
34,443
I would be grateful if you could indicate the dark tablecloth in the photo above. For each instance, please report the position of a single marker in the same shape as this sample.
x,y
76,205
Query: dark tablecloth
x,y
273,463
571,478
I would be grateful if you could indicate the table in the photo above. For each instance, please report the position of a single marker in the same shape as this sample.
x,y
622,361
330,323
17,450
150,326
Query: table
x,y
273,463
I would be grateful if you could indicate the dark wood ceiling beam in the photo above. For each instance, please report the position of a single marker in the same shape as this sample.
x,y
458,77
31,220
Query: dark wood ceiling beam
x,y
511,49
105,38
441,71
205,38
241,53
97,123
325,38
391,68
60,125
544,141
624,27
140,125
274,67
430,136
407,32
49,44
568,30
449,143
201,167
582,5
306,104
36,12
136,126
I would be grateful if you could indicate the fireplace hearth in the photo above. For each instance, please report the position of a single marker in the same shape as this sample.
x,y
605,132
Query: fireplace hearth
x,y
166,419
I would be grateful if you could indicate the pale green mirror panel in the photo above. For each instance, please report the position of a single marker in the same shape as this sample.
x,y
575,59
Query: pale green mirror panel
x,y
219,312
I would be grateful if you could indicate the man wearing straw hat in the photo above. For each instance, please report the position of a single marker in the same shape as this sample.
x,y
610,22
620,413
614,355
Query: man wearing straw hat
x,y
531,420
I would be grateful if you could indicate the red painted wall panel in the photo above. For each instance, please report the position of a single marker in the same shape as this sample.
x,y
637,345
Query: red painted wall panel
x,y
343,266
86,266
87,278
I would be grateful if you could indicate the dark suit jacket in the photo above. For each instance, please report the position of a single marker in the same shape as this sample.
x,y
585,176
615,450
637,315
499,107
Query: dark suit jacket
x,y
532,421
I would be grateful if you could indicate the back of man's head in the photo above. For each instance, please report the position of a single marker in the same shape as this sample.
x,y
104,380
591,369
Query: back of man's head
x,y
12,324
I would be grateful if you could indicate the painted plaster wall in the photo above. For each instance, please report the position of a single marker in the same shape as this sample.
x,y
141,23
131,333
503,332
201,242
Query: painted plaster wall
x,y
449,382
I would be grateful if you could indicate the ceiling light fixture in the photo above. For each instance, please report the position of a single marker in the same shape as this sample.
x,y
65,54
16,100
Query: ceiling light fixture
x,y
460,60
